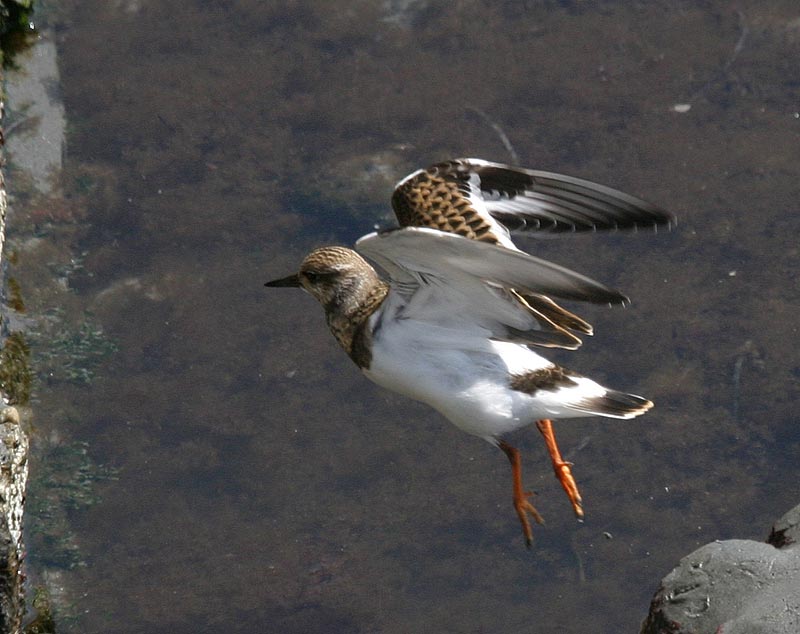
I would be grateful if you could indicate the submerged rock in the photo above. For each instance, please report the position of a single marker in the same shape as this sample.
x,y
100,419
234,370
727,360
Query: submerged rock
x,y
734,587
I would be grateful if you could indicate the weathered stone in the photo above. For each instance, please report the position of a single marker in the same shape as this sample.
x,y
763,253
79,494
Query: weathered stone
x,y
13,468
13,478
734,587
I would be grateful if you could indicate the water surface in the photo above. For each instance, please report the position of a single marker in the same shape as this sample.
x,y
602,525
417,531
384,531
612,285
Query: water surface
x,y
240,473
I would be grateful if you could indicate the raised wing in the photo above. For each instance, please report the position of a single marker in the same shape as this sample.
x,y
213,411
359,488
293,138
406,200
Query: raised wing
x,y
456,278
488,201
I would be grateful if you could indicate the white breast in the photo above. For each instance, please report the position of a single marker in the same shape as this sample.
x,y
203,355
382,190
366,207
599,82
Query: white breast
x,y
463,375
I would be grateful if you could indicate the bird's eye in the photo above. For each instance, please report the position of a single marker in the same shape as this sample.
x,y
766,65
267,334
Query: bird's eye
x,y
319,277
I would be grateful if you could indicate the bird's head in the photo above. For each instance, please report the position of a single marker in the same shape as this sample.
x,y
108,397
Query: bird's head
x,y
333,275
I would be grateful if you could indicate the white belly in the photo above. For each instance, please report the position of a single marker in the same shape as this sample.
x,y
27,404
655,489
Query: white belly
x,y
466,378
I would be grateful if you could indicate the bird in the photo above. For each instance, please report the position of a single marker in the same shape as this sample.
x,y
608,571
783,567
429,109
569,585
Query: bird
x,y
459,316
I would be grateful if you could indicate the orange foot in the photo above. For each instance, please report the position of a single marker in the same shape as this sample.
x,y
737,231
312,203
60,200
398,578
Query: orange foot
x,y
562,468
522,504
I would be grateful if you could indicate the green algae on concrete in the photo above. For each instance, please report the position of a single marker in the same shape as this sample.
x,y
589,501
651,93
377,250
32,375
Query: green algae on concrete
x,y
15,373
43,622
69,352
16,28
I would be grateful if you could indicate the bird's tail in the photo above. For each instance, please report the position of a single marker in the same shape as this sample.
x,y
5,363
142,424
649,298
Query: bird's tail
x,y
614,404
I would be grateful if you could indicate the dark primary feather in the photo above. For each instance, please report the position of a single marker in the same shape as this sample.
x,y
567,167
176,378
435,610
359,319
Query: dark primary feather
x,y
615,404
521,200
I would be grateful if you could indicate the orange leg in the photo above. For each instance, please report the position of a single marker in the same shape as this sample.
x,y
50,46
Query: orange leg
x,y
521,503
560,466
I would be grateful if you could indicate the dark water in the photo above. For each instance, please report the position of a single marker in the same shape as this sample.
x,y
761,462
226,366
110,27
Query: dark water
x,y
234,470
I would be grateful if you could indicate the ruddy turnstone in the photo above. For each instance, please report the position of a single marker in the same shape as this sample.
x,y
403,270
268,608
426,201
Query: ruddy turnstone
x,y
458,317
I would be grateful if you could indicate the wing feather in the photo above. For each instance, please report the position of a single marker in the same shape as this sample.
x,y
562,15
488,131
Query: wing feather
x,y
488,202
408,252
499,288
520,200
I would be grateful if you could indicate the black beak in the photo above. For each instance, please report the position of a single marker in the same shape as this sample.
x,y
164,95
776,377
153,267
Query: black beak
x,y
292,280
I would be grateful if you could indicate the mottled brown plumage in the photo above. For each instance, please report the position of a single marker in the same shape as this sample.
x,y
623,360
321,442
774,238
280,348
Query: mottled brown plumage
x,y
549,379
350,291
437,198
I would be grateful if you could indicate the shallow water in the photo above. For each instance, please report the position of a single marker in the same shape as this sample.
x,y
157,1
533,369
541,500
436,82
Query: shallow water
x,y
234,470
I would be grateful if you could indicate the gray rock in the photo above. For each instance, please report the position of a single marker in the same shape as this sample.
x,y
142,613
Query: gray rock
x,y
734,587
